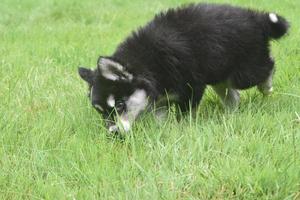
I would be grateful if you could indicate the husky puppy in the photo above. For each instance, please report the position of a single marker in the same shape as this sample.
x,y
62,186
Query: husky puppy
x,y
180,52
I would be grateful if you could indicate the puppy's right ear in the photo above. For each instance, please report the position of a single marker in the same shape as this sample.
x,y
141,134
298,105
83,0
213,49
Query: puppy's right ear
x,y
86,74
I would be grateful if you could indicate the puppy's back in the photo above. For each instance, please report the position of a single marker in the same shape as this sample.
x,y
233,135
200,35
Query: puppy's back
x,y
201,42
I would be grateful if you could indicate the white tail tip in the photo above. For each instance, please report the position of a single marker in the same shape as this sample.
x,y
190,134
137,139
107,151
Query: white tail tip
x,y
273,17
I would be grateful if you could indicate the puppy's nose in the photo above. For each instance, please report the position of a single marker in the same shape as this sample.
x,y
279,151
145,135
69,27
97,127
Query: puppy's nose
x,y
113,128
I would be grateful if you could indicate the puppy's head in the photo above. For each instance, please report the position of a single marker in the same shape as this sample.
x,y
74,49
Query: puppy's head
x,y
114,92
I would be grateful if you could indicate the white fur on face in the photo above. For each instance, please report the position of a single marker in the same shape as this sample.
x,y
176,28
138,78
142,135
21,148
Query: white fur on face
x,y
273,17
108,74
136,103
111,101
125,124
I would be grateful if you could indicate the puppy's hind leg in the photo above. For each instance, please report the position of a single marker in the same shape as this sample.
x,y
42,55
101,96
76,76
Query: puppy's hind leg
x,y
266,87
229,96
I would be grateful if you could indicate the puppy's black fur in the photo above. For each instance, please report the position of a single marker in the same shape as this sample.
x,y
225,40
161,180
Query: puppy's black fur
x,y
183,50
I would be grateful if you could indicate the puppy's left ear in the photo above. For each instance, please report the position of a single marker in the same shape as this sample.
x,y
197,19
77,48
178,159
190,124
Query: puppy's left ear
x,y
86,74
112,70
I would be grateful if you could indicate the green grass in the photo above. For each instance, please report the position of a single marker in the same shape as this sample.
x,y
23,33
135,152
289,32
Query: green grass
x,y
53,145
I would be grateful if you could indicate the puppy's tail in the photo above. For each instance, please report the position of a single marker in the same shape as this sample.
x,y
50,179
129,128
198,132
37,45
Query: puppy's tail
x,y
275,25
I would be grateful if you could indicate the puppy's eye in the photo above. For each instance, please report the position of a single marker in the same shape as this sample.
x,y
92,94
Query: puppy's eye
x,y
120,105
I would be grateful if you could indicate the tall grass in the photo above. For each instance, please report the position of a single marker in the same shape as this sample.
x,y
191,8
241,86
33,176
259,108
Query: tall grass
x,y
53,145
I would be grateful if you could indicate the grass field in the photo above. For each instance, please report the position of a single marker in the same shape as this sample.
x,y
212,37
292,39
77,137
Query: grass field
x,y
53,145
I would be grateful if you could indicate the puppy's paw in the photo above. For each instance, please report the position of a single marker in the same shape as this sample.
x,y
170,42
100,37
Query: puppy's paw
x,y
232,99
266,91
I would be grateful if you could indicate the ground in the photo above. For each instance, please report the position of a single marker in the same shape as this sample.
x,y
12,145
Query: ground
x,y
53,145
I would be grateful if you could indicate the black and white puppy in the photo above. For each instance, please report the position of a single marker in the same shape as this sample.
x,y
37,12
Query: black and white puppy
x,y
180,52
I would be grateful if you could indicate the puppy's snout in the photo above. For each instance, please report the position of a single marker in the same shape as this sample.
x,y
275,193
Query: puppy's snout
x,y
121,126
111,125
113,129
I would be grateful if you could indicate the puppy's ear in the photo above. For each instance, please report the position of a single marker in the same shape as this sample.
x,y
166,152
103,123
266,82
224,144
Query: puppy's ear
x,y
86,74
113,70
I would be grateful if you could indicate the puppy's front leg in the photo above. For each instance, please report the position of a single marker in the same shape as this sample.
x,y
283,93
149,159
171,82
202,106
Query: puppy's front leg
x,y
266,87
230,97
